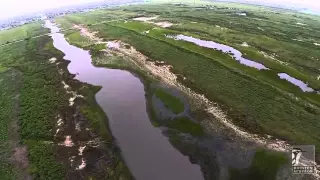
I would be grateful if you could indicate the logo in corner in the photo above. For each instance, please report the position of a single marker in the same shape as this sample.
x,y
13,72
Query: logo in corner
x,y
303,159
296,155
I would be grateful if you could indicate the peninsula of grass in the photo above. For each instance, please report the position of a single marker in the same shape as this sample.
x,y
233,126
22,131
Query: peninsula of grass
x,y
185,125
170,101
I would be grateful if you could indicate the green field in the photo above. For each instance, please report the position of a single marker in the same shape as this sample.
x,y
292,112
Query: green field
x,y
257,100
22,32
98,16
37,84
8,112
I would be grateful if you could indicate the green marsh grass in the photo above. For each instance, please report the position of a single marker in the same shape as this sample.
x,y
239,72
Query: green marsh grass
x,y
250,103
22,32
264,166
185,125
171,102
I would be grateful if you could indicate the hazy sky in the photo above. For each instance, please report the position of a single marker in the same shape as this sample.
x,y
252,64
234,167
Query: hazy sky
x,y
9,8
314,4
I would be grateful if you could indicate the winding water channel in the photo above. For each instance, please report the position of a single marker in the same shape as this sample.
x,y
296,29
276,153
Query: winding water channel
x,y
146,151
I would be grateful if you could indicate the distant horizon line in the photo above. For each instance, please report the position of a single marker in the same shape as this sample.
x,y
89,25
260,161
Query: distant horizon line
x,y
305,10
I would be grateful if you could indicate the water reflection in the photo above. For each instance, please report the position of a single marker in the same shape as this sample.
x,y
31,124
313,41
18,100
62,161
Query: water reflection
x,y
147,152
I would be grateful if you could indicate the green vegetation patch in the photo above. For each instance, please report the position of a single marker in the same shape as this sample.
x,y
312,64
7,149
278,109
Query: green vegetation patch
x,y
138,26
256,100
75,38
265,166
283,58
22,32
251,103
93,17
185,125
44,164
7,170
3,69
170,101
95,50
41,94
9,91
94,113
274,32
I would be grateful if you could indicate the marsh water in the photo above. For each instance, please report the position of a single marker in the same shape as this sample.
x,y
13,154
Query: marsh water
x,y
146,151
237,55
303,86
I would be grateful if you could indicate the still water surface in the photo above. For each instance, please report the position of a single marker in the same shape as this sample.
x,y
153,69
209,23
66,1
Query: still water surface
x,y
146,151
303,86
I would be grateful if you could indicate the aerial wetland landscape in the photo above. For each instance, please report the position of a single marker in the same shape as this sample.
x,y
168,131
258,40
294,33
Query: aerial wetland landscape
x,y
160,91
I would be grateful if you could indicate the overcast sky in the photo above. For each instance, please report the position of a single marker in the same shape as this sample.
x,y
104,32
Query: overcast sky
x,y
9,8
312,4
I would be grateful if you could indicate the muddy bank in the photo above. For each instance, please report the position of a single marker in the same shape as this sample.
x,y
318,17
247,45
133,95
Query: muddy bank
x,y
197,155
201,150
123,99
82,141
189,147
